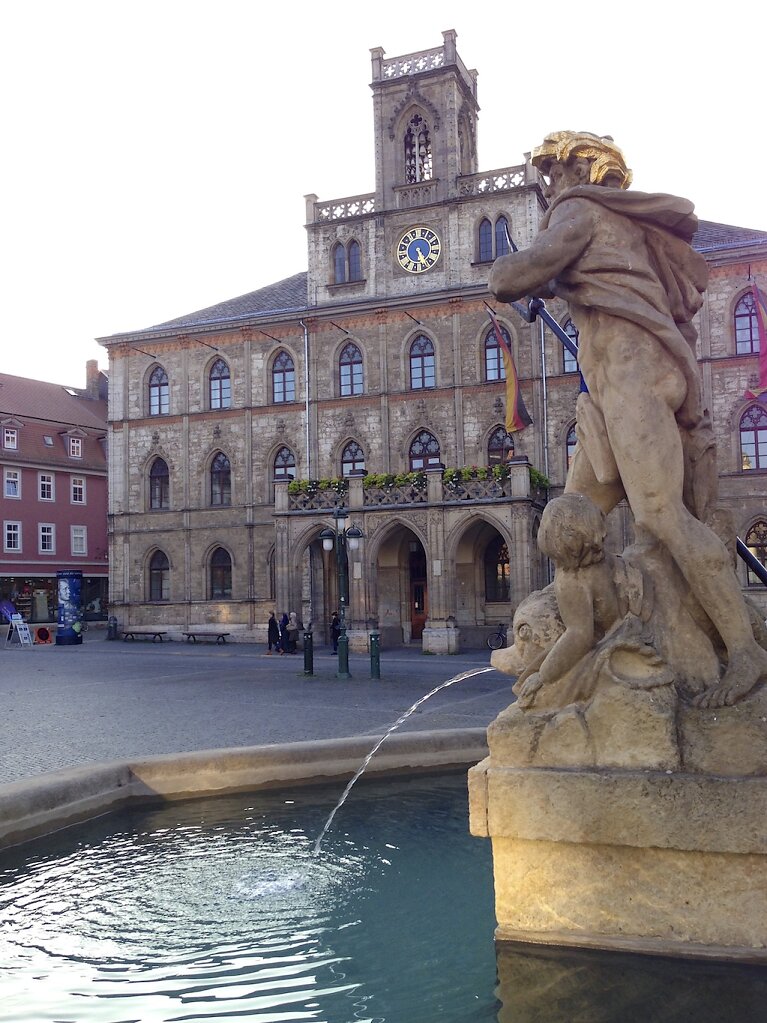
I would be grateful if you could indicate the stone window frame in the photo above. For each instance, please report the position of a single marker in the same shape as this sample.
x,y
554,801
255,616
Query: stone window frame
x,y
745,323
346,262
492,356
431,459
352,462
158,576
493,559
216,379
158,485
356,380
491,238
158,391
418,165
756,541
757,413
569,362
220,480
499,447
419,360
217,575
282,374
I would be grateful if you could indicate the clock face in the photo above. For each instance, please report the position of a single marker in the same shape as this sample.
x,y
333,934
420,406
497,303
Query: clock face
x,y
418,250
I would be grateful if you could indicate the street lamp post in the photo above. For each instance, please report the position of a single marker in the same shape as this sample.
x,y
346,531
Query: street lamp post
x,y
341,539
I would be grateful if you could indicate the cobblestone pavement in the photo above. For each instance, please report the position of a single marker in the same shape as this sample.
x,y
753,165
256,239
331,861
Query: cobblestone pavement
x,y
65,706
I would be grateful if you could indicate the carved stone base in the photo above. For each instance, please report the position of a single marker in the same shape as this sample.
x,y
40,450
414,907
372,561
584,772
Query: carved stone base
x,y
648,861
441,638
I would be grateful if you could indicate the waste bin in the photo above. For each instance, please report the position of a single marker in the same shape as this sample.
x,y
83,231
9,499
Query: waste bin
x,y
111,627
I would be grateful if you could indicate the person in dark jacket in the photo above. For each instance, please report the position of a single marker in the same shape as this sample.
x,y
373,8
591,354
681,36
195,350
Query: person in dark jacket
x,y
273,634
335,631
284,641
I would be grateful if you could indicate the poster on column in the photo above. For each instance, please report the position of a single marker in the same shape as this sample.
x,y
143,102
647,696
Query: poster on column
x,y
70,587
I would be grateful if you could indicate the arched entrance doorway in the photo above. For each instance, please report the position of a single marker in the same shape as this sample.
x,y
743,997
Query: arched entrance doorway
x,y
484,585
402,585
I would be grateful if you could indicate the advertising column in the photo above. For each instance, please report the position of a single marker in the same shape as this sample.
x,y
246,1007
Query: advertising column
x,y
70,586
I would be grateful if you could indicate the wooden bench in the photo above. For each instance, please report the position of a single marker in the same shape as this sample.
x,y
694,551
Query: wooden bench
x,y
155,634
192,637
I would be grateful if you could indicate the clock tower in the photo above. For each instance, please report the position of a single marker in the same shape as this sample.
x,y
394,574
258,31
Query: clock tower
x,y
425,114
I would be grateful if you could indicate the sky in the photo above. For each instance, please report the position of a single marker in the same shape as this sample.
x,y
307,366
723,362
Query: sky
x,y
156,155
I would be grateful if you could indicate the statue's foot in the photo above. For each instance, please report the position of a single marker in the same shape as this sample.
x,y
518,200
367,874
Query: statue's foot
x,y
743,672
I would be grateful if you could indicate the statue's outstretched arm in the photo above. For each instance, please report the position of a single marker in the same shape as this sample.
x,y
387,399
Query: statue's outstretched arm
x,y
528,271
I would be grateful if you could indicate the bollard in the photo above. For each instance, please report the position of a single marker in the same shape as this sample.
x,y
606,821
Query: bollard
x,y
111,627
308,653
375,655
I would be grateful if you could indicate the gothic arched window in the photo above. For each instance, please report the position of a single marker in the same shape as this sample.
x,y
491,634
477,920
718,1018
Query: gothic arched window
x,y
418,163
283,379
497,586
756,541
339,264
753,438
422,374
500,446
355,261
352,459
424,451
220,480
350,370
220,573
501,237
220,385
572,440
284,465
159,576
569,362
746,326
159,484
485,241
495,367
159,393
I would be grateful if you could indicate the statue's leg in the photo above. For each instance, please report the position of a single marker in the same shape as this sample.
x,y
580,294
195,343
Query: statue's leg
x,y
581,479
648,450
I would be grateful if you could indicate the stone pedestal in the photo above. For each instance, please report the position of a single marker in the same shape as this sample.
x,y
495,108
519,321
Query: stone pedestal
x,y
659,862
441,637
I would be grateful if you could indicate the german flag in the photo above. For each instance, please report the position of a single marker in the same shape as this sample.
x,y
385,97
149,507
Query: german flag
x,y
761,325
517,416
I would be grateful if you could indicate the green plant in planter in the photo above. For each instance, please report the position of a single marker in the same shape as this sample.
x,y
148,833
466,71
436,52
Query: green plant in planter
x,y
538,480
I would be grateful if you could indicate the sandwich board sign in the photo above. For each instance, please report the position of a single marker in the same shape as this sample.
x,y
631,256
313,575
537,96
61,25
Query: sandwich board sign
x,y
18,631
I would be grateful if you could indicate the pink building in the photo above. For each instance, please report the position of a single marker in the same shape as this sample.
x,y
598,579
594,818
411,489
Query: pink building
x,y
53,504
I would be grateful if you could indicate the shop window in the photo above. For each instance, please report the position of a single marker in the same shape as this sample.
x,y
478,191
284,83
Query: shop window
x,y
220,575
159,392
753,438
352,459
159,577
424,452
422,368
350,370
159,484
219,385
283,379
220,480
497,585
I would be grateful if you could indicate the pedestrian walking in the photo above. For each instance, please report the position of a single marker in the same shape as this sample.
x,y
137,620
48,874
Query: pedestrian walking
x,y
284,642
273,634
335,631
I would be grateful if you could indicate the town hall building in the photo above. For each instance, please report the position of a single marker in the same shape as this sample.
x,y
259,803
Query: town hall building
x,y
370,392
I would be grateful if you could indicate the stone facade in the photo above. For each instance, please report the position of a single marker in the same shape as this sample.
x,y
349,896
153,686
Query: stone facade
x,y
427,554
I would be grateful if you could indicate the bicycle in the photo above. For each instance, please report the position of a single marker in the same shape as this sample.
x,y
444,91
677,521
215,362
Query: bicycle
x,y
496,640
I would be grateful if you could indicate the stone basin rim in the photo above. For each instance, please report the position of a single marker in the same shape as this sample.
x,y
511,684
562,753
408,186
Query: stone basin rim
x,y
33,807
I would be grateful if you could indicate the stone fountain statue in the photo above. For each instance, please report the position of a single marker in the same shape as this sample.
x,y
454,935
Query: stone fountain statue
x,y
639,705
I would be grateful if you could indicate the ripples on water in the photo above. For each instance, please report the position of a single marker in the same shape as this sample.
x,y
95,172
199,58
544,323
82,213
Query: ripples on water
x,y
218,910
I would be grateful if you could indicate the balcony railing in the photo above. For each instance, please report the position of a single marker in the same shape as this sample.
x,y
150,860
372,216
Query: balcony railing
x,y
503,180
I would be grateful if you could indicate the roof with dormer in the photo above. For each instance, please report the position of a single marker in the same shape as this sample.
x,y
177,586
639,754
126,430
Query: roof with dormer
x,y
50,403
